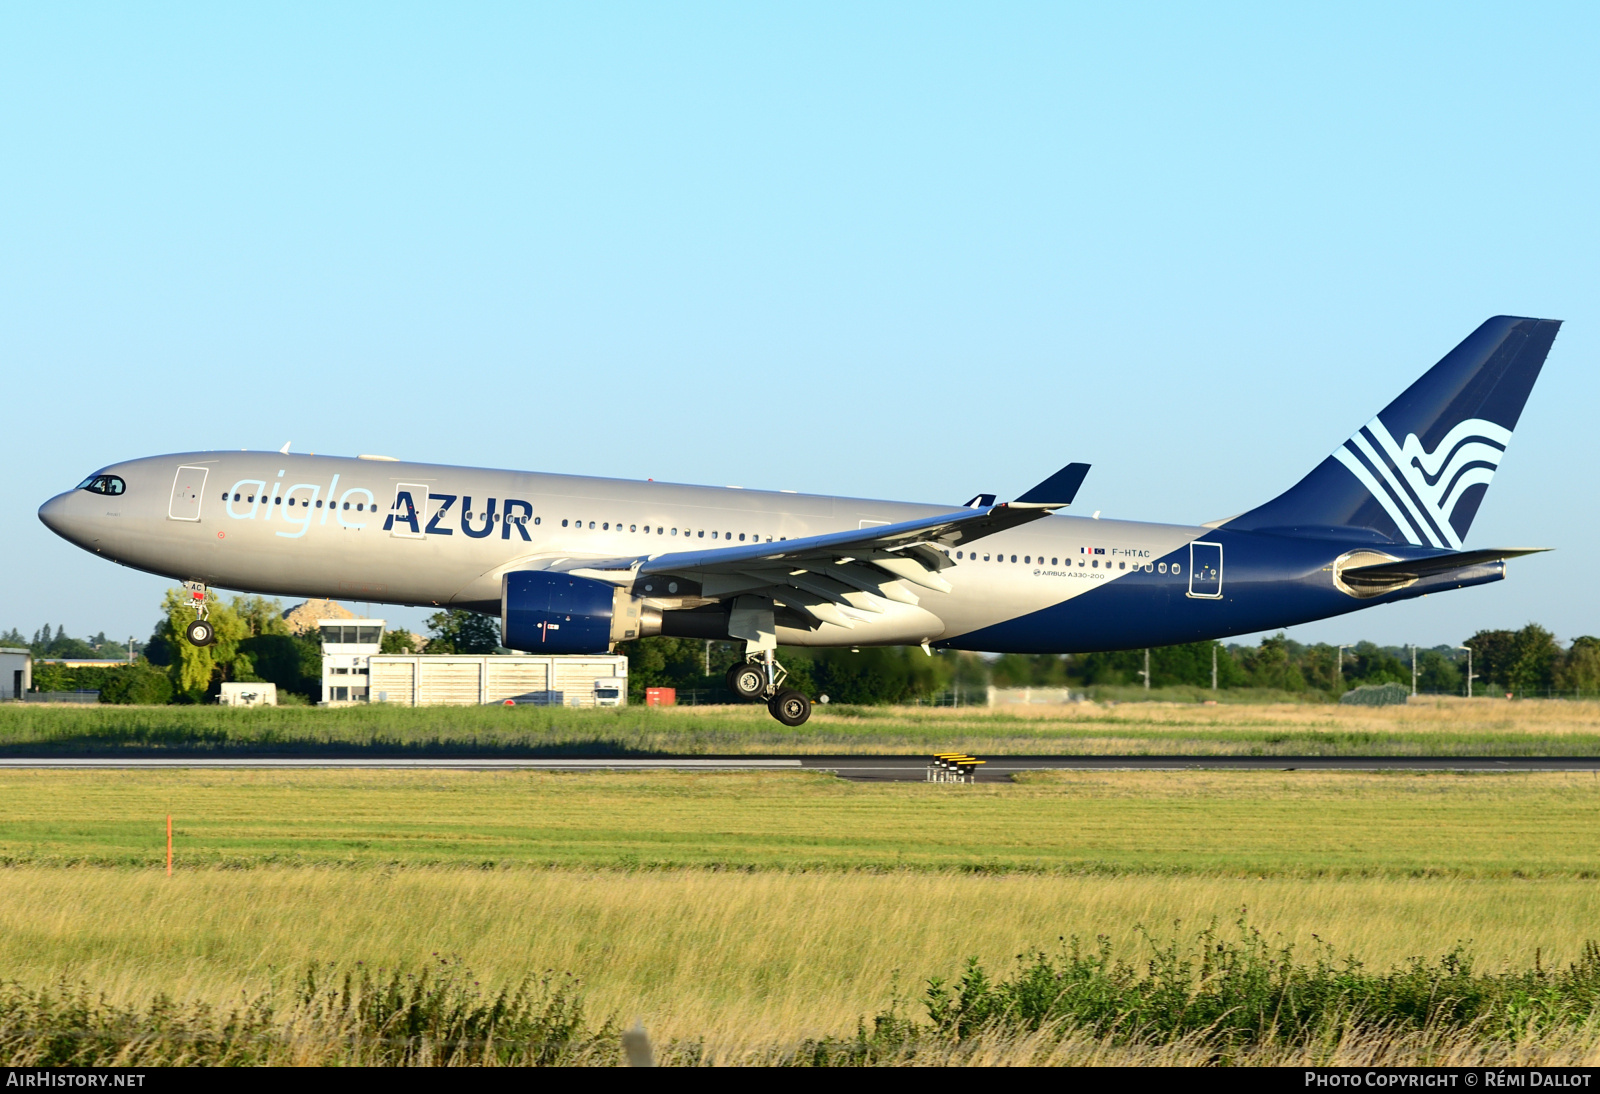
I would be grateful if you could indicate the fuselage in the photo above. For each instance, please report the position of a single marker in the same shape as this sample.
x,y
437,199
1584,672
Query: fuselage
x,y
336,527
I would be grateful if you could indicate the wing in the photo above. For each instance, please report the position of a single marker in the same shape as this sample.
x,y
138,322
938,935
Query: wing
x,y
826,579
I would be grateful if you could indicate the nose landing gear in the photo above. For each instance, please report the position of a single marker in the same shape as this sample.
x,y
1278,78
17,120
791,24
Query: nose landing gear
x,y
200,632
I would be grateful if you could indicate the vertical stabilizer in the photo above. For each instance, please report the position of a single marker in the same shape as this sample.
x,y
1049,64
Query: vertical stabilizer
x,y
1418,471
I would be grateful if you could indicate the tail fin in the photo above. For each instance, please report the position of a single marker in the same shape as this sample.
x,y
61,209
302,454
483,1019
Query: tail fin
x,y
1418,471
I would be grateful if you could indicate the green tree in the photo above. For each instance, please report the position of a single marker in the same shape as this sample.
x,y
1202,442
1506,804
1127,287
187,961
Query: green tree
x,y
194,669
1438,674
292,662
1494,654
396,642
662,662
875,675
1537,657
461,631
1580,668
139,683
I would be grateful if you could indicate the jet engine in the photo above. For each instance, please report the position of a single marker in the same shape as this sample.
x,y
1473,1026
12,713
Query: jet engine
x,y
545,612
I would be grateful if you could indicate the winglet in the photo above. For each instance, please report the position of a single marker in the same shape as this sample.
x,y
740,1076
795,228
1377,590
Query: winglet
x,y
982,501
1056,491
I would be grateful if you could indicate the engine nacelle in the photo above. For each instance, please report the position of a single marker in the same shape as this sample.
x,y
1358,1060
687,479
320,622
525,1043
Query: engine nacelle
x,y
544,612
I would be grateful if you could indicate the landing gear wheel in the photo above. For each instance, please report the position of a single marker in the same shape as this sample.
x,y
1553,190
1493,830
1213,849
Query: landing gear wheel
x,y
790,707
747,681
200,633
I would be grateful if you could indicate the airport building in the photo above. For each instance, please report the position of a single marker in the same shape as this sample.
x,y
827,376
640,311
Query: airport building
x,y
16,672
354,671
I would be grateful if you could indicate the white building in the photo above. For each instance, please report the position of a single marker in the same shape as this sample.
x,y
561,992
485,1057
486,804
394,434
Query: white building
x,y
347,646
249,695
353,671
419,680
16,672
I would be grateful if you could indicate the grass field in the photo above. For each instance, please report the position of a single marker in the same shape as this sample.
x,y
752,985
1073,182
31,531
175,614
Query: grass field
x,y
745,912
1446,727
1264,823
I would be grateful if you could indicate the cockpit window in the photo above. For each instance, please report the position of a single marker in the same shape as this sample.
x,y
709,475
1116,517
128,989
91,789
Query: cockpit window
x,y
103,484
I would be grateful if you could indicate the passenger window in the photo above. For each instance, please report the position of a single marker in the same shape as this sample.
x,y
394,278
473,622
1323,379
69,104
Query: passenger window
x,y
606,527
701,534
1161,566
741,537
277,501
635,528
1122,565
1053,562
1095,562
986,558
674,531
563,524
591,525
959,554
1176,568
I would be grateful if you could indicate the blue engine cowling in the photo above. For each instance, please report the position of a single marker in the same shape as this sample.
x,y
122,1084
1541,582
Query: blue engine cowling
x,y
544,612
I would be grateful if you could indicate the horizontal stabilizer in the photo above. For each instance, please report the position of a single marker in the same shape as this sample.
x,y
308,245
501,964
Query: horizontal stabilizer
x,y
1056,491
1390,573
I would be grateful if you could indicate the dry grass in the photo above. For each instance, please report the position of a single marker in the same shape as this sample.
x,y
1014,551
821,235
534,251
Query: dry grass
x,y
736,960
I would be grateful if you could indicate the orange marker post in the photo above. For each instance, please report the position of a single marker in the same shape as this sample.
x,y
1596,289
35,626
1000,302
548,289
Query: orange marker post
x,y
169,844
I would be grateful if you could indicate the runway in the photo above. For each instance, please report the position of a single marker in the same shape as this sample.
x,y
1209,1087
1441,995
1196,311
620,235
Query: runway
x,y
857,768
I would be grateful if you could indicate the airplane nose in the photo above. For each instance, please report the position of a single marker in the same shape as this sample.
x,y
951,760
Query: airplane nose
x,y
54,514
58,515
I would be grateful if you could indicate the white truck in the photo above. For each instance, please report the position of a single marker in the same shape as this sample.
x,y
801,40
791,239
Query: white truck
x,y
611,691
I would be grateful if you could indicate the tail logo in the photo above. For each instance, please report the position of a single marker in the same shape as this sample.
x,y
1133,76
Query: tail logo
x,y
1421,489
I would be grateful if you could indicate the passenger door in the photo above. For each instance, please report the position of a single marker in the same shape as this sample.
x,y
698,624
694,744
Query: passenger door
x,y
1205,570
187,488
409,512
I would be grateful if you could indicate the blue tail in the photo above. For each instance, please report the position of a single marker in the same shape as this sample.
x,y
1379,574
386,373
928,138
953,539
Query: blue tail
x,y
1418,471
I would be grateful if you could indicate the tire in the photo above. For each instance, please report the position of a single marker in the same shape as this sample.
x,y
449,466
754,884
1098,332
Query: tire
x,y
747,681
790,707
200,633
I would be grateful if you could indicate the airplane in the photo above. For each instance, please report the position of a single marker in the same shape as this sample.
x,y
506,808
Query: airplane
x,y
572,564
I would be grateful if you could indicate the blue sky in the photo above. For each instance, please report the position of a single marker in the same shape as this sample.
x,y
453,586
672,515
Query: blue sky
x,y
910,251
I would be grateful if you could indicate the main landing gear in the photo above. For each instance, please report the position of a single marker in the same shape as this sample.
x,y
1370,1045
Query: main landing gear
x,y
756,680
200,632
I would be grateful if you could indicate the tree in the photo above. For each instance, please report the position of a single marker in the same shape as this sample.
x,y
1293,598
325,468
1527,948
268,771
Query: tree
x,y
292,662
395,642
194,668
1439,674
1493,654
461,631
1580,669
260,615
1537,656
138,683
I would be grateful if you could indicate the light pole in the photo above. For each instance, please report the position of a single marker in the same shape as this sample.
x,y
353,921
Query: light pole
x,y
1146,672
1470,677
1413,669
1213,666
